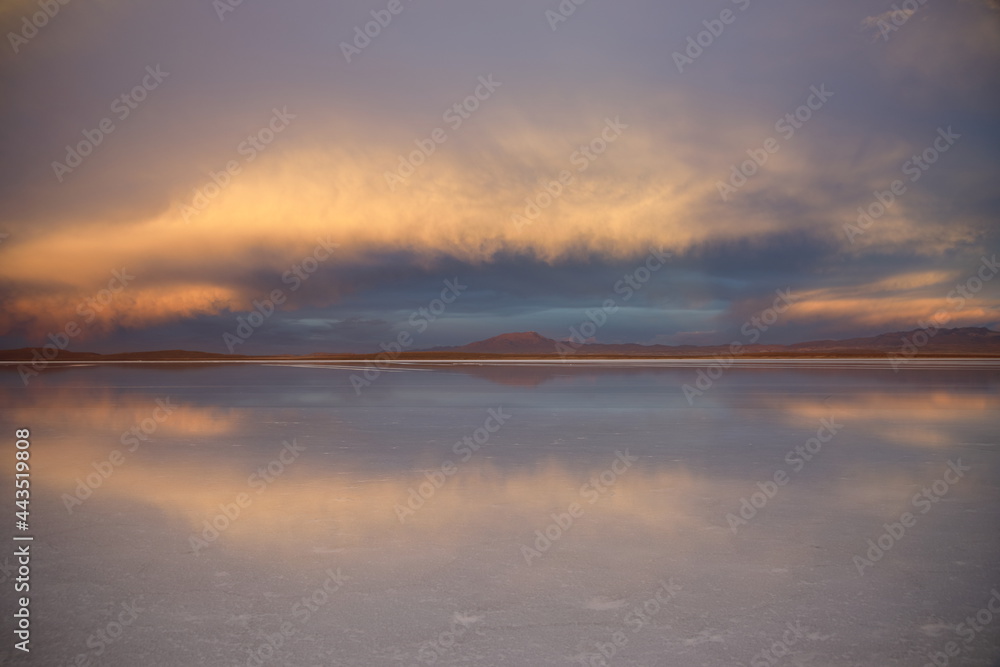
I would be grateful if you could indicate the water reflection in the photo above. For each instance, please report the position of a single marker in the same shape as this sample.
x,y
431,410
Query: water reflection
x,y
280,473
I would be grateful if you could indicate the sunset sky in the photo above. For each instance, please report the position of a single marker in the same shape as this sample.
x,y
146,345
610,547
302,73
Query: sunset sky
x,y
190,158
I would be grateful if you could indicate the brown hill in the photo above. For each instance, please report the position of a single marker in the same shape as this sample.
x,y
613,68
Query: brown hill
x,y
527,342
963,342
969,341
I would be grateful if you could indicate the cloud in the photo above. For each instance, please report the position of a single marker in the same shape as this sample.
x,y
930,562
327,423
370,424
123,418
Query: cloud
x,y
656,185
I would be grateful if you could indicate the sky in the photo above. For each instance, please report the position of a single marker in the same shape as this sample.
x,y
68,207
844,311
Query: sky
x,y
305,176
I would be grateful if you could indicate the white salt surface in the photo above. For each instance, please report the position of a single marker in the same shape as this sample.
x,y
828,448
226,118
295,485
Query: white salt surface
x,y
646,560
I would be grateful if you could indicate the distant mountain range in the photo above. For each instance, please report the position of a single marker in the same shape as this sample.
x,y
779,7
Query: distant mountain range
x,y
960,342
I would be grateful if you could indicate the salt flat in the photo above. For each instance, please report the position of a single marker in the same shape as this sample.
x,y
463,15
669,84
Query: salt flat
x,y
524,514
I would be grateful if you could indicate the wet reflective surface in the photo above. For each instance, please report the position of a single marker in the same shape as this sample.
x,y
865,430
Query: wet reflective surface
x,y
516,515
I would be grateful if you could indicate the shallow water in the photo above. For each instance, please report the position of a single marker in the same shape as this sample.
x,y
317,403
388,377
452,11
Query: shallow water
x,y
510,515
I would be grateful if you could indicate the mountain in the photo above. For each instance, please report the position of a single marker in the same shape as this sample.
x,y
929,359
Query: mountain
x,y
956,341
528,342
28,354
964,341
